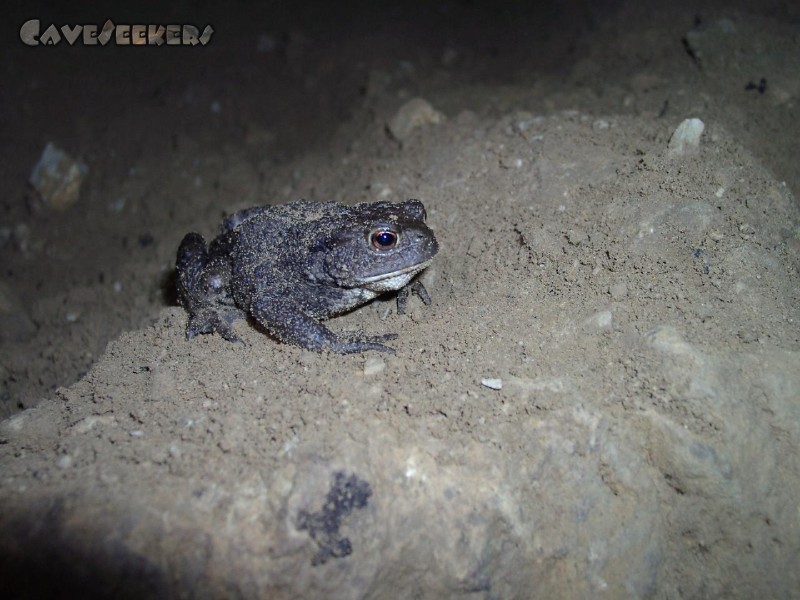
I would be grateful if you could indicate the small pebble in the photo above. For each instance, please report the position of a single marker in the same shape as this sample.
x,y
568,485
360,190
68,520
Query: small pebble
x,y
601,320
57,177
511,163
686,138
373,366
413,114
492,383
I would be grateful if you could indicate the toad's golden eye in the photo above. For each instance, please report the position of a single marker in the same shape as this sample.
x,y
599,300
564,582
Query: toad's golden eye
x,y
383,239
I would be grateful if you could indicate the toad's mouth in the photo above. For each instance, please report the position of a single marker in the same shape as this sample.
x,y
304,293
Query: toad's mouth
x,y
409,271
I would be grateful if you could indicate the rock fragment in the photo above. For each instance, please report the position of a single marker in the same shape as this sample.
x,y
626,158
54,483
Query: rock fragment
x,y
686,138
57,178
413,114
492,383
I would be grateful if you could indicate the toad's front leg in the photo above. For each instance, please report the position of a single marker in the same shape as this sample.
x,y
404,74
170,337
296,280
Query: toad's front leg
x,y
417,288
287,322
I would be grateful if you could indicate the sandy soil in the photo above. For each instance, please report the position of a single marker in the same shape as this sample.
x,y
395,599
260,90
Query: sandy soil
x,y
603,399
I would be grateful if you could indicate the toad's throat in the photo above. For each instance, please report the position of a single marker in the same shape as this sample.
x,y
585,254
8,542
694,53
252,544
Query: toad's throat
x,y
404,273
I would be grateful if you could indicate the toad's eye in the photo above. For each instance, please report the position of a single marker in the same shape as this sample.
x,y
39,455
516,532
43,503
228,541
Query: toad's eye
x,y
383,239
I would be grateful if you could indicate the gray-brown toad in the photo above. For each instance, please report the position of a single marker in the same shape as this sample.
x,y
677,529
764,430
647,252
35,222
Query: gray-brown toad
x,y
291,265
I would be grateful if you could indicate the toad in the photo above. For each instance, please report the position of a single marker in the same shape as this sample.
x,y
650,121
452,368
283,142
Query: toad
x,y
290,266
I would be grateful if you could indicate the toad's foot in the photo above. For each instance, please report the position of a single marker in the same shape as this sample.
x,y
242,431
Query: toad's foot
x,y
288,323
211,320
415,287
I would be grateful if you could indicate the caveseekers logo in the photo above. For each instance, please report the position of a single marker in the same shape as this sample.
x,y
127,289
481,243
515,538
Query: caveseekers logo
x,y
31,34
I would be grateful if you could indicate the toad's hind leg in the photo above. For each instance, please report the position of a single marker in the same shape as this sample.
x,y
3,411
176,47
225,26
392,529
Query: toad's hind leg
x,y
204,290
192,259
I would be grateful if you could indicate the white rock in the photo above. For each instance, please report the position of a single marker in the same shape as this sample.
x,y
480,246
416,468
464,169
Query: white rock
x,y
413,114
686,138
492,383
601,320
373,366
57,177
